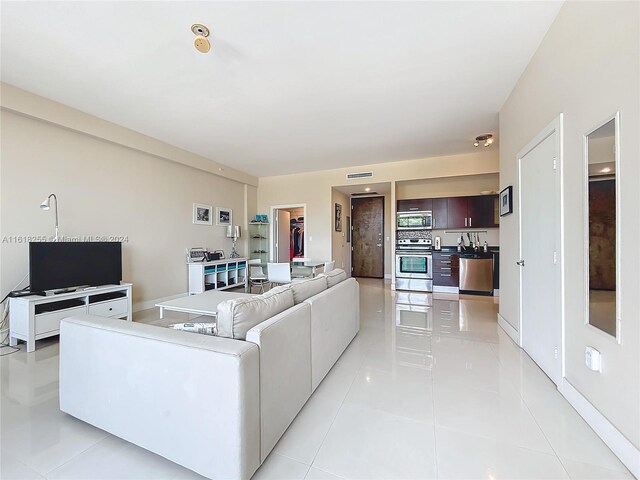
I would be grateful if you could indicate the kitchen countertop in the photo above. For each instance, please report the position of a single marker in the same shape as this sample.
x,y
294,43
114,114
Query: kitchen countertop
x,y
449,249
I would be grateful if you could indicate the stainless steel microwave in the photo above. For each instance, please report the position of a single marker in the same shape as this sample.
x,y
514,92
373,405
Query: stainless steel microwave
x,y
414,221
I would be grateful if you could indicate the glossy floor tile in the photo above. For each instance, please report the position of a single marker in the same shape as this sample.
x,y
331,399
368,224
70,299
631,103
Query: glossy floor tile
x,y
430,388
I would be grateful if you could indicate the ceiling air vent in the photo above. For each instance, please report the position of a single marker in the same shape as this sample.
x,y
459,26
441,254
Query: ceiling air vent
x,y
354,176
361,194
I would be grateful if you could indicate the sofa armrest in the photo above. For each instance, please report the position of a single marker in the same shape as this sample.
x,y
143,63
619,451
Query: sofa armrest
x,y
191,398
285,370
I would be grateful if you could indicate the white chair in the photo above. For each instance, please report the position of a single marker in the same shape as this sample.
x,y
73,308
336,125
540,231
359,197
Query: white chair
x,y
329,266
279,273
257,278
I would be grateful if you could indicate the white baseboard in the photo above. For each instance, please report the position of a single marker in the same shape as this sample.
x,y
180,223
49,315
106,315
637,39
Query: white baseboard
x,y
387,276
147,304
628,454
509,330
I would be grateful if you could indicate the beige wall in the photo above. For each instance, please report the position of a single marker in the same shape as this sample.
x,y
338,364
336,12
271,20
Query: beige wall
x,y
448,187
587,67
340,249
105,188
314,189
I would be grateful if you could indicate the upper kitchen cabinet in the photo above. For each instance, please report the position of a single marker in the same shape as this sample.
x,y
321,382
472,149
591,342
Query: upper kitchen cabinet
x,y
457,212
472,212
415,205
440,210
481,211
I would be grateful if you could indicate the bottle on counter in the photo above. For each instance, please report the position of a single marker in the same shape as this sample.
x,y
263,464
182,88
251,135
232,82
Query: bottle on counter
x,y
485,247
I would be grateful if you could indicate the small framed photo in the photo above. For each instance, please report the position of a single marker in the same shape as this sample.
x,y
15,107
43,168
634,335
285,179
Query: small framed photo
x,y
202,214
506,201
338,218
224,216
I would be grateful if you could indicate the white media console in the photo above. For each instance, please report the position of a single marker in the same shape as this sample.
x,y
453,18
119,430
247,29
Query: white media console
x,y
35,317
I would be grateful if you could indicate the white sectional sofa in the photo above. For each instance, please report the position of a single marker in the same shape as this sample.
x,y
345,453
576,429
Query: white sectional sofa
x,y
214,404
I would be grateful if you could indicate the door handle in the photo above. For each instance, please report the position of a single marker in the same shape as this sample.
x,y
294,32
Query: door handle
x,y
465,221
469,221
521,263
378,245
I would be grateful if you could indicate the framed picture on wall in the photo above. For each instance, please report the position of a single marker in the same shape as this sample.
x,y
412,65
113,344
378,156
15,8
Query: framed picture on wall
x,y
506,201
202,214
338,218
224,216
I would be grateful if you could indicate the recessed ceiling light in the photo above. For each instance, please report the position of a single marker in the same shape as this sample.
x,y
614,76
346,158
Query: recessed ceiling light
x,y
486,139
367,189
605,170
201,42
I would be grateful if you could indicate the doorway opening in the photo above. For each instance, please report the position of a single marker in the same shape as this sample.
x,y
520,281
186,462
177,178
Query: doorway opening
x,y
288,232
365,247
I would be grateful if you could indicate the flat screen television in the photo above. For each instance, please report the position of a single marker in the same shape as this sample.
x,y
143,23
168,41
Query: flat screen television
x,y
58,265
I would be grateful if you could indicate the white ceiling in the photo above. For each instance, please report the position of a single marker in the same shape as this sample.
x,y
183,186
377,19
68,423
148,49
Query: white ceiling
x,y
287,87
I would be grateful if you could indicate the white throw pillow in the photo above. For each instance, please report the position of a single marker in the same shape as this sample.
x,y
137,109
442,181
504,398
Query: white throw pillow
x,y
334,277
307,288
237,317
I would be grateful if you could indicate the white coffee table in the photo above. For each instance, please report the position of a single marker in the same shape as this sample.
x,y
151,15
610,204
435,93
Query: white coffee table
x,y
202,304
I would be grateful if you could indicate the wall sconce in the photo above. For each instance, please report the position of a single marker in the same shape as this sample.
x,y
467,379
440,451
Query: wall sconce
x,y
46,205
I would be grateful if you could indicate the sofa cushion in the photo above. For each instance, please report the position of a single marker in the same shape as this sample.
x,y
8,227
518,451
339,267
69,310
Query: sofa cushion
x,y
307,288
334,277
276,290
236,317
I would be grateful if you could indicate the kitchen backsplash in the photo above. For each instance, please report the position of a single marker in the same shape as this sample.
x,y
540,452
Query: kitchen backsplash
x,y
451,239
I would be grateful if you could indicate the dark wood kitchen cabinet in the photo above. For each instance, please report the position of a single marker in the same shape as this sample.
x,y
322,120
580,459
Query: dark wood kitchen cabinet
x,y
440,213
446,269
457,212
472,212
481,211
414,205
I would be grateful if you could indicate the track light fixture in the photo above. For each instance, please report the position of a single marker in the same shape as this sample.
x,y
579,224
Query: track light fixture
x,y
486,139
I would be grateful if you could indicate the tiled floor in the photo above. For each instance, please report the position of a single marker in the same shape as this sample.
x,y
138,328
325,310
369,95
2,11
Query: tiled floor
x,y
437,392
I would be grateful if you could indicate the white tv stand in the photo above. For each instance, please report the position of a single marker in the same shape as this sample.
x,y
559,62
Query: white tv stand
x,y
35,317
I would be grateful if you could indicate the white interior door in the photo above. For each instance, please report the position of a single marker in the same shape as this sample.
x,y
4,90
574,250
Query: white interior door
x,y
541,322
283,236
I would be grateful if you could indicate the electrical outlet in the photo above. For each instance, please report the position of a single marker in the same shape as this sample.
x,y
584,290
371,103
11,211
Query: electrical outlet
x,y
593,359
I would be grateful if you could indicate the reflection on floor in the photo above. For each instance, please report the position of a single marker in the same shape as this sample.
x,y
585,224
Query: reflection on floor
x,y
602,310
430,388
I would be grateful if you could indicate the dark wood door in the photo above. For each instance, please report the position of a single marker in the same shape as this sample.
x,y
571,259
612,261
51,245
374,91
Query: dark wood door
x,y
440,213
414,205
457,212
367,241
480,211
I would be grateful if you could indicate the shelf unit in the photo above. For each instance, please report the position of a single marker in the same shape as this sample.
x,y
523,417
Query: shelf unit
x,y
217,275
259,241
34,317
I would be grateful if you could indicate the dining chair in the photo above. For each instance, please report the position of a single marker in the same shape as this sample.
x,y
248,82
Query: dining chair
x,y
329,266
279,273
257,278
